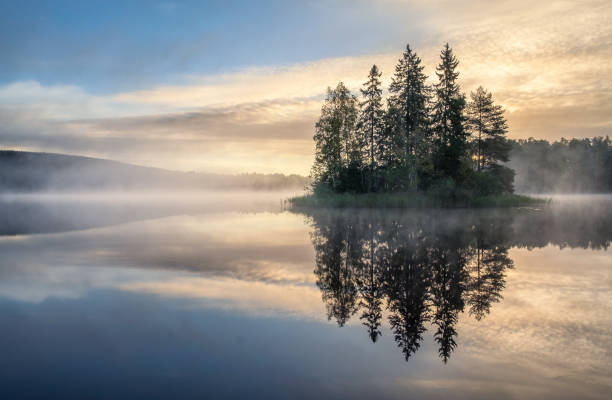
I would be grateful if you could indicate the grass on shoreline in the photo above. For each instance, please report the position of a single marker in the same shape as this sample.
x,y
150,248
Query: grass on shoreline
x,y
408,200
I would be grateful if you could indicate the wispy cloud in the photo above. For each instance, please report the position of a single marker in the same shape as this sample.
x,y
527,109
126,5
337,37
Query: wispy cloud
x,y
546,63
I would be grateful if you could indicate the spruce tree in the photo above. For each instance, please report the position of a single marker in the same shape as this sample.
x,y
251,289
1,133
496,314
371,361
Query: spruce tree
x,y
409,97
392,151
391,142
448,119
371,123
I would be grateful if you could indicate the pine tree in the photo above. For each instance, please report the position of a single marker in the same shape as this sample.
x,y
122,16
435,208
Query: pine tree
x,y
488,128
409,98
392,150
490,146
448,119
371,123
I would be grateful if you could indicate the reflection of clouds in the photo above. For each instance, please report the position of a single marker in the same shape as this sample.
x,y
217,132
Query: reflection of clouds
x,y
255,298
229,244
222,259
266,297
40,283
553,321
226,246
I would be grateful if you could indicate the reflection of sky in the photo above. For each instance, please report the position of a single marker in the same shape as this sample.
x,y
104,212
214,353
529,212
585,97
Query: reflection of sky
x,y
226,304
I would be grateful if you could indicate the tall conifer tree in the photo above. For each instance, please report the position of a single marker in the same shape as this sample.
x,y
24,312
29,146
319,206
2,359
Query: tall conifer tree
x,y
409,98
371,123
448,118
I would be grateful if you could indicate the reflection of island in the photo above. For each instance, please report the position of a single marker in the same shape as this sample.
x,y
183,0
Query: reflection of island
x,y
423,269
426,267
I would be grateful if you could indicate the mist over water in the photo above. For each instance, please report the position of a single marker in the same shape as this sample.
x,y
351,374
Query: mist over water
x,y
23,213
167,294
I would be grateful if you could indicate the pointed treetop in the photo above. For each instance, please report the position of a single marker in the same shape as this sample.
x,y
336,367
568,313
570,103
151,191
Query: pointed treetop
x,y
449,61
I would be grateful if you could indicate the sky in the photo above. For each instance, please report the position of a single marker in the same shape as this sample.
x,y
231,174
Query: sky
x,y
230,87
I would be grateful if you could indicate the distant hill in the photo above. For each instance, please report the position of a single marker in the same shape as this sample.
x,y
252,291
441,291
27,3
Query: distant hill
x,y
22,171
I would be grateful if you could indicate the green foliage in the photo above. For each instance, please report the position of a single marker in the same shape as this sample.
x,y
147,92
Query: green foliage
x,y
335,136
496,180
409,98
420,143
371,123
488,127
448,119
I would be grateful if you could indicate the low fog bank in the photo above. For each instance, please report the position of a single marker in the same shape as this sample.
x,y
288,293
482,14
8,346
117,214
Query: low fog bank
x,y
565,166
32,213
25,172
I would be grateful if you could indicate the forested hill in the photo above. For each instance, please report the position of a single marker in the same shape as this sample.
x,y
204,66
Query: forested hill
x,y
29,172
564,166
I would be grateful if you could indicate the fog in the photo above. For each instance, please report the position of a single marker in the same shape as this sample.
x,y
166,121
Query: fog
x,y
45,212
565,166
43,172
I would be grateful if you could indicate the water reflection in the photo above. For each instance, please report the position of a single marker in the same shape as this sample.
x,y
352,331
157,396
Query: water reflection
x,y
419,268
423,269
197,294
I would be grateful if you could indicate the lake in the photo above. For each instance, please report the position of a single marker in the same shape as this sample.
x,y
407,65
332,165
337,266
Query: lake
x,y
229,295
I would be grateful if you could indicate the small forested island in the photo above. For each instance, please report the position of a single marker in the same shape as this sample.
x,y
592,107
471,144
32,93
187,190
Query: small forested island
x,y
428,147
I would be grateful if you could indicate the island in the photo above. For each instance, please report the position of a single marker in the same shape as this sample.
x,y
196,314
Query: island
x,y
429,147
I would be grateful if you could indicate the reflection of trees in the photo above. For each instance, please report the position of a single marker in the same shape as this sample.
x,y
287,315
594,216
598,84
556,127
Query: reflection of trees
x,y
487,266
407,278
585,225
425,269
335,268
370,284
447,287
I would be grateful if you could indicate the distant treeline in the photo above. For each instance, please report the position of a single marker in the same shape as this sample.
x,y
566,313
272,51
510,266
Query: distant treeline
x,y
565,166
257,181
30,172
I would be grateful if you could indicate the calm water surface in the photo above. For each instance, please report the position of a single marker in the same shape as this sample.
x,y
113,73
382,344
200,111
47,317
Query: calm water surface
x,y
229,296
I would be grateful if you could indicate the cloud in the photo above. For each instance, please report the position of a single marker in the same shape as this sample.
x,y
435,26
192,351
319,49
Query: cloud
x,y
547,64
244,138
